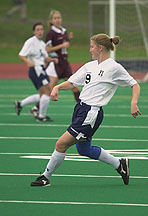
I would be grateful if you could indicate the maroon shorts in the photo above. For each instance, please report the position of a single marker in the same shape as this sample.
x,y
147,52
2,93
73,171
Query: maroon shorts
x,y
63,69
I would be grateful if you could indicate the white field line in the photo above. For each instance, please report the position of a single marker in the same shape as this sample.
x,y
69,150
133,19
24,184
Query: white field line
x,y
75,176
66,125
132,151
70,114
72,106
74,203
56,138
52,106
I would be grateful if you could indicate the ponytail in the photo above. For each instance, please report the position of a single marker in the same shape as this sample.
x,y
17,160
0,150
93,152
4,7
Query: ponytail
x,y
106,41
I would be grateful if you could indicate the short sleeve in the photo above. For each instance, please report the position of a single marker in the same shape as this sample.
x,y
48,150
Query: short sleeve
x,y
26,49
121,77
78,78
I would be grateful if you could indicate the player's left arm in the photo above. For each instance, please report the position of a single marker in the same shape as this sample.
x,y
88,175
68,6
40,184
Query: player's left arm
x,y
135,95
63,86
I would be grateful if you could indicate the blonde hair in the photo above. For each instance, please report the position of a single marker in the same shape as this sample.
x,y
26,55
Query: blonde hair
x,y
52,12
105,40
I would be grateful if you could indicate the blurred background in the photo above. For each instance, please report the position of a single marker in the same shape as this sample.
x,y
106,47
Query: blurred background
x,y
83,18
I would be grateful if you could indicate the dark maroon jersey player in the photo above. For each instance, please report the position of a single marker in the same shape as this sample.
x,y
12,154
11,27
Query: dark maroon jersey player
x,y
57,43
55,37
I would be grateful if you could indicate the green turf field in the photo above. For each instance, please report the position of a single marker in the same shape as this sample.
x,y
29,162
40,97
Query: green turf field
x,y
80,186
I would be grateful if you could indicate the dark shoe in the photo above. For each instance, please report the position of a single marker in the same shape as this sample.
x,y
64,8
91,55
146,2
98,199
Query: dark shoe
x,y
41,181
18,107
45,119
123,170
34,112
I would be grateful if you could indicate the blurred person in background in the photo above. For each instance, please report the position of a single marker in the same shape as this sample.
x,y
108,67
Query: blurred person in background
x,y
57,43
19,5
34,54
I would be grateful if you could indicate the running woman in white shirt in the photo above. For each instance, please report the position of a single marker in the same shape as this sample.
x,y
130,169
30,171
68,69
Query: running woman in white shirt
x,y
35,56
100,79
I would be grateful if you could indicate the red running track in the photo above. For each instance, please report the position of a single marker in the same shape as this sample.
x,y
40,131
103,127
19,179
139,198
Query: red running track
x,y
20,71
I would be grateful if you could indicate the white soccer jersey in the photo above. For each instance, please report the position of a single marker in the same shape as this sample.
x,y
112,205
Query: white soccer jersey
x,y
35,50
100,81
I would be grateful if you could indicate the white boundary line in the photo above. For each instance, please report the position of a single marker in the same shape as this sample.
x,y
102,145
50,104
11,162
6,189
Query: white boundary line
x,y
66,125
74,203
77,176
56,138
63,114
123,151
11,104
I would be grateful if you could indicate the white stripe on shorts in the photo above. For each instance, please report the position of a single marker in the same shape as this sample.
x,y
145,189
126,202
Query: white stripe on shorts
x,y
91,116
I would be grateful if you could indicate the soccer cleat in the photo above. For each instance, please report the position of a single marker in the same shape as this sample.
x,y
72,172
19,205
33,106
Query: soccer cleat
x,y
44,119
18,107
41,181
123,170
34,111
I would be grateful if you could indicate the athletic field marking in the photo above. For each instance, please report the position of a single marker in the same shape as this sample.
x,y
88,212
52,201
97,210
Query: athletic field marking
x,y
84,159
134,151
56,138
130,154
138,155
74,203
75,176
66,125
72,106
70,114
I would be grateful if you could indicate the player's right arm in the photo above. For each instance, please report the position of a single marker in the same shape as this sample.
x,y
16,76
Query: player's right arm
x,y
27,61
26,51
49,40
63,86
55,48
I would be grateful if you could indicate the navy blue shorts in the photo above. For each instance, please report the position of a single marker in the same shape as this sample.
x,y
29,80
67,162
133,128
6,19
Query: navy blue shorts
x,y
38,76
85,121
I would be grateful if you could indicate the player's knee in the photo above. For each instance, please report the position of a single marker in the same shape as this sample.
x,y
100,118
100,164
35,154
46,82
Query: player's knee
x,y
60,146
82,151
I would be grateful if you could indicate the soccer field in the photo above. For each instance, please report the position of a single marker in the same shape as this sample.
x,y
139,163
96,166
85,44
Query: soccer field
x,y
80,186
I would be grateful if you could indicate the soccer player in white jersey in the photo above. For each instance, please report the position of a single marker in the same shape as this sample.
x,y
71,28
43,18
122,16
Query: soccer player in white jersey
x,y
100,79
34,54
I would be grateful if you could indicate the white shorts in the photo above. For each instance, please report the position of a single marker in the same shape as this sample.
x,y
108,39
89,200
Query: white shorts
x,y
50,70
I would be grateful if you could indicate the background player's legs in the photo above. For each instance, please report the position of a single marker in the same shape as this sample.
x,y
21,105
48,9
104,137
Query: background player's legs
x,y
13,10
53,81
35,110
44,92
29,100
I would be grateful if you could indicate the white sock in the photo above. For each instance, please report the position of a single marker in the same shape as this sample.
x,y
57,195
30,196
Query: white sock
x,y
44,101
108,158
31,99
55,161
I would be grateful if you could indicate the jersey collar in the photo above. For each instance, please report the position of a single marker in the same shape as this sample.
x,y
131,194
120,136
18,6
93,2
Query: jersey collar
x,y
57,30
